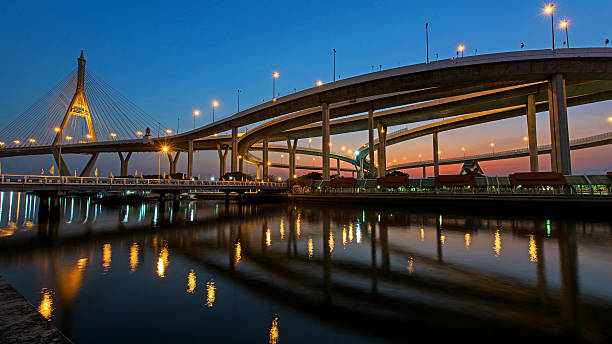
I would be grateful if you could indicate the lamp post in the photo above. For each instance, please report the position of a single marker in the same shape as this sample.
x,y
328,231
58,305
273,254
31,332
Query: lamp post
x,y
334,65
163,150
196,113
214,105
238,91
460,49
492,144
550,9
274,77
564,24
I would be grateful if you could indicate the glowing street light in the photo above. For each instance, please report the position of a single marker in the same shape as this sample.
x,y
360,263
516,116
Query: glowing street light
x,y
196,113
610,119
460,49
56,129
164,149
550,9
525,138
463,149
214,104
16,142
318,83
563,25
492,144
275,76
32,140
168,131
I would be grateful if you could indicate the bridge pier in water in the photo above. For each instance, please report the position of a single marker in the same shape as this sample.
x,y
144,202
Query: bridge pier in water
x,y
559,131
291,148
190,159
436,155
234,149
222,151
325,139
124,163
382,149
265,158
172,161
532,134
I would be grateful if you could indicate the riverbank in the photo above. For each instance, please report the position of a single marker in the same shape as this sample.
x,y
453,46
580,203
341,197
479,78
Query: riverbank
x,y
20,322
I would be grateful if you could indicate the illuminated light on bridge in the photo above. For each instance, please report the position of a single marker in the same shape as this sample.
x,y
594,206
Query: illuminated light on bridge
x,y
32,140
68,138
610,119
56,129
2,143
319,83
168,131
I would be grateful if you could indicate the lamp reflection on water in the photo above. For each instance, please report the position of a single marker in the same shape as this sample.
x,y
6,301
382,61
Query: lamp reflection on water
x,y
133,257
331,242
106,257
238,254
211,289
468,241
46,304
310,248
162,262
282,229
533,250
497,244
274,331
410,266
191,282
268,237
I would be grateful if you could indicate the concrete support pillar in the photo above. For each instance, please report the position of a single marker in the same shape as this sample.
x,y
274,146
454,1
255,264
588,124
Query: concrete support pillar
x,y
532,134
172,161
360,173
61,164
371,134
234,149
291,148
190,159
90,165
265,158
424,172
338,167
222,152
325,140
559,131
382,149
124,163
436,156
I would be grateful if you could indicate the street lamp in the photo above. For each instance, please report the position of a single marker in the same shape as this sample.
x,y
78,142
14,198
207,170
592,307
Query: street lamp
x,y
196,113
564,24
460,49
318,83
164,149
214,105
334,65
492,147
463,149
274,77
610,119
550,9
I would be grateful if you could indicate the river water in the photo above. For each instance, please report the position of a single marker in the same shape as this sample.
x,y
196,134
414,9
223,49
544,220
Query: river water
x,y
198,271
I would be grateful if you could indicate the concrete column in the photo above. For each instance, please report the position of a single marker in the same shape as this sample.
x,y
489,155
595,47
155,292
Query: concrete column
x,y
90,165
532,134
124,163
291,148
338,167
234,149
172,161
371,134
559,130
190,160
325,142
265,158
382,149
360,173
424,172
222,156
435,155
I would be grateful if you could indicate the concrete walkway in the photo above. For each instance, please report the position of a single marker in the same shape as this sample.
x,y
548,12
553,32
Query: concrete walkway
x,y
20,322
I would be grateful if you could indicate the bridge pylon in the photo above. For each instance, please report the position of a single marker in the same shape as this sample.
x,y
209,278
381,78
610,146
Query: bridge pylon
x,y
78,108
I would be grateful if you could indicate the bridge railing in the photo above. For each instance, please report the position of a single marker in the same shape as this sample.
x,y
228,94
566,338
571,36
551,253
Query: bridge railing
x,y
65,180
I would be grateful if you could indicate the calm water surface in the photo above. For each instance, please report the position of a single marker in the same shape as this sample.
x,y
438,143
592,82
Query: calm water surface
x,y
200,272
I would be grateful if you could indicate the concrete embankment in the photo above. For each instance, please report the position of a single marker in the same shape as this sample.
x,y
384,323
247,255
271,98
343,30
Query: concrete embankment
x,y
20,322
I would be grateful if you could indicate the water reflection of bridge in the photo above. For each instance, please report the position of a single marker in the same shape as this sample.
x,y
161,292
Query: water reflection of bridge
x,y
390,287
